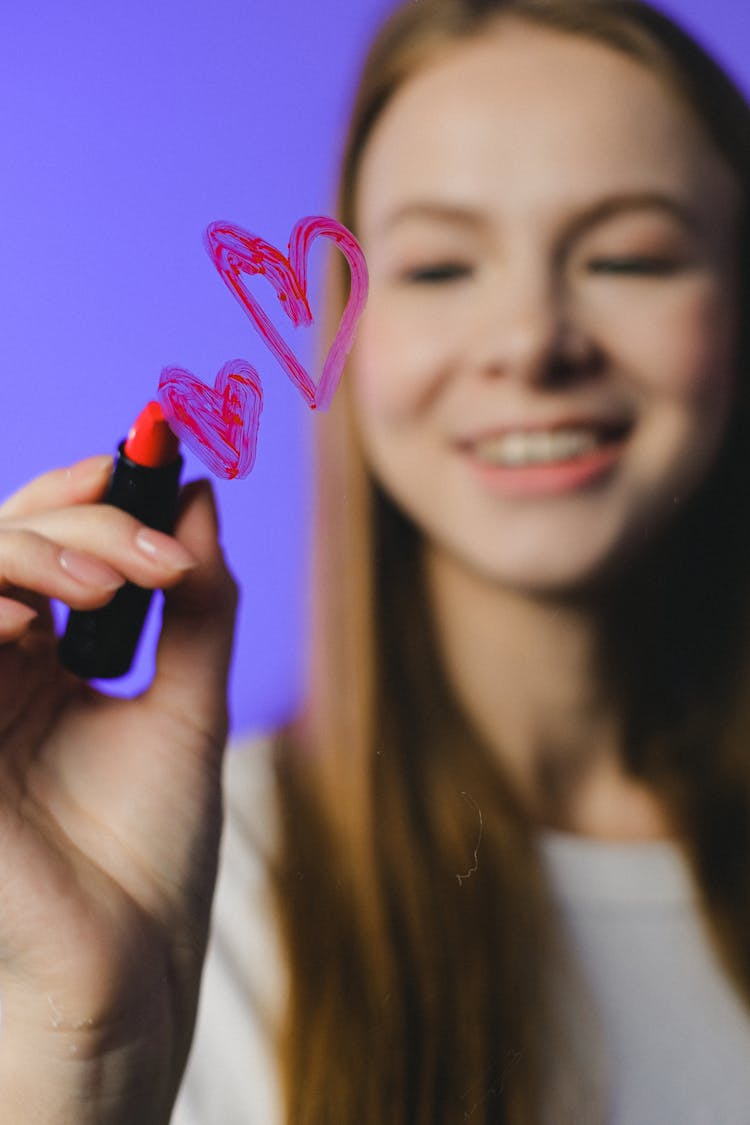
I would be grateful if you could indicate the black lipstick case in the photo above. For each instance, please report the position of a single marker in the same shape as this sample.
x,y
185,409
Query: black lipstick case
x,y
101,643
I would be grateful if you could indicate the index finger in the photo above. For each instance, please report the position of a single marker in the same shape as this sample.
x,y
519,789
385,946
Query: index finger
x,y
78,484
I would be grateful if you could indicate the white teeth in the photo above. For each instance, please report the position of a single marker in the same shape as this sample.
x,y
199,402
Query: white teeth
x,y
529,448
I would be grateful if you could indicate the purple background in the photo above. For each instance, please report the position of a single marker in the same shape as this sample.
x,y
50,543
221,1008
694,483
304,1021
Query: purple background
x,y
126,128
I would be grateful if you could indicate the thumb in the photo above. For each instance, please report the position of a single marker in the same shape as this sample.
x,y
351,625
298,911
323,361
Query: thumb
x,y
195,647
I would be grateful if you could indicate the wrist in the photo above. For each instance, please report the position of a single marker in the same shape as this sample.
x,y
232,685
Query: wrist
x,y
59,1074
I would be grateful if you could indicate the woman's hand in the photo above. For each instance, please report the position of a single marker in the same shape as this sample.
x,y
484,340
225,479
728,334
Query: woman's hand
x,y
109,809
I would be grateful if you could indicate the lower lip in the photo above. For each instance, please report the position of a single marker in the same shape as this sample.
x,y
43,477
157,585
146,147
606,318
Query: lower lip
x,y
550,479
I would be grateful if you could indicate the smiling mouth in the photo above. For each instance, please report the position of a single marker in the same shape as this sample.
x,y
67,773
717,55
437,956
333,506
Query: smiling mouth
x,y
520,449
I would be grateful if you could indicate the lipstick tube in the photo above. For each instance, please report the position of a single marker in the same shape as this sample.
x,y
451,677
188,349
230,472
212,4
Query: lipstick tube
x,y
101,643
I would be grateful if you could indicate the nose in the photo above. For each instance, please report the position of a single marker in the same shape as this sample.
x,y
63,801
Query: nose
x,y
528,329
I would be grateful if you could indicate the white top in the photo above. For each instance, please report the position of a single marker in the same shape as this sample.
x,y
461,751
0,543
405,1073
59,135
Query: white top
x,y
231,1077
676,1034
676,1037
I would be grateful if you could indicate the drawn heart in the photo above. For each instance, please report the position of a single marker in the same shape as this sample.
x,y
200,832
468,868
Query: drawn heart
x,y
235,252
219,424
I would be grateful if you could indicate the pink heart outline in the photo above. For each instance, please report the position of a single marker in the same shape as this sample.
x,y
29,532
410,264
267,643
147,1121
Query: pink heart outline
x,y
235,251
219,423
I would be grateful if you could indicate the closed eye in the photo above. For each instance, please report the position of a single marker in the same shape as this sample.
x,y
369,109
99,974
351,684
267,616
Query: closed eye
x,y
440,272
651,266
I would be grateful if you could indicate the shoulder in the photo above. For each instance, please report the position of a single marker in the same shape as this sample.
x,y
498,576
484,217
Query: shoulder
x,y
231,1075
251,822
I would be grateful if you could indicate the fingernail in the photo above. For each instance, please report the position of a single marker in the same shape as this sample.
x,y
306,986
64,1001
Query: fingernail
x,y
92,469
165,550
89,571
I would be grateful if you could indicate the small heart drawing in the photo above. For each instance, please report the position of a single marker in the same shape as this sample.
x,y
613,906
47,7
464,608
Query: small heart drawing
x,y
219,424
235,252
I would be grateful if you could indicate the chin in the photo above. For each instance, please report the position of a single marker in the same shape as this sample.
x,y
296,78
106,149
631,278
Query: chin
x,y
552,578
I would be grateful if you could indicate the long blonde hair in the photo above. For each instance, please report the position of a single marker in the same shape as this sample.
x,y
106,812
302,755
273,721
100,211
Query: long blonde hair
x,y
420,995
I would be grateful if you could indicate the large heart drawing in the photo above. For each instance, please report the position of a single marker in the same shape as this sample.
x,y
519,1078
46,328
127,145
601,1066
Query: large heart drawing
x,y
235,252
219,424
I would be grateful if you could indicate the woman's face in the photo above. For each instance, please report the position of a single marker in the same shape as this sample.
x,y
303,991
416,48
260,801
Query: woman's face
x,y
551,243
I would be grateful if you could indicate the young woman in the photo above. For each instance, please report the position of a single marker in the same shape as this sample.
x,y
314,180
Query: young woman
x,y
507,841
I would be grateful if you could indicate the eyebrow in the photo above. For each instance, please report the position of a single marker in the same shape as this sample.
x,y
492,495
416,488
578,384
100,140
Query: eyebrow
x,y
440,212
582,221
614,205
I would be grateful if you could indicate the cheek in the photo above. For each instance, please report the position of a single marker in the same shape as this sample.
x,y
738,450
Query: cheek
x,y
679,359
698,366
681,346
396,367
